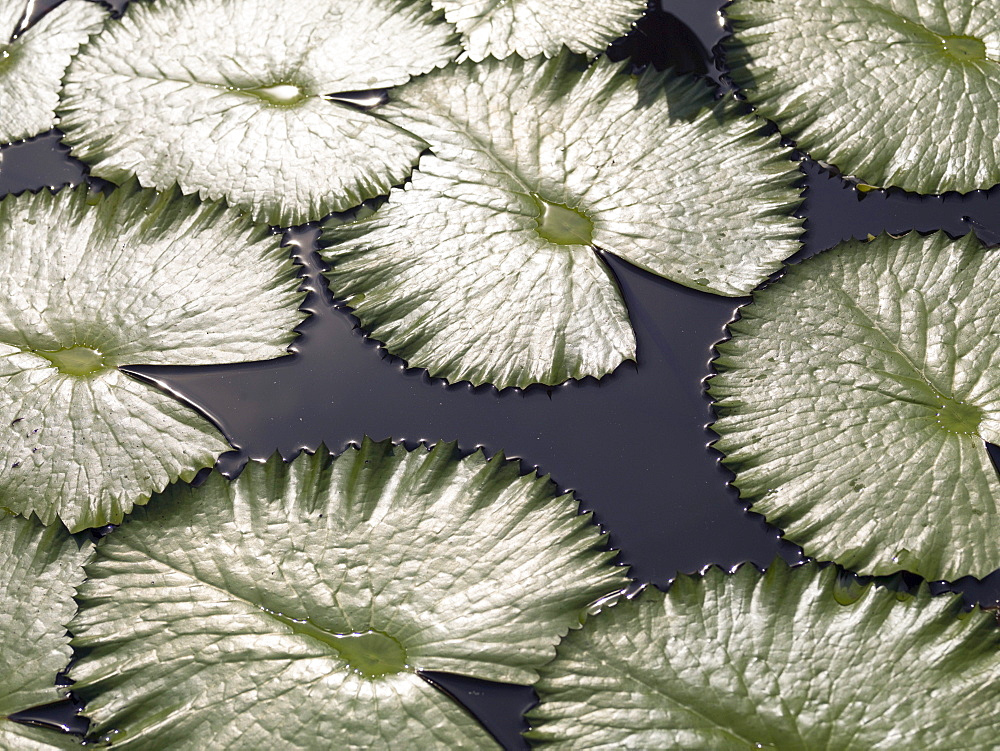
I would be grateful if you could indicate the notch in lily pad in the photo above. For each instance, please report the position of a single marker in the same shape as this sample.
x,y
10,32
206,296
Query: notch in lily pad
x,y
534,167
855,399
203,94
96,282
402,561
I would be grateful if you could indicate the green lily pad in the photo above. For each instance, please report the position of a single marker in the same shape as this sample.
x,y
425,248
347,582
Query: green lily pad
x,y
40,569
97,282
296,605
793,659
33,60
539,27
485,267
854,399
897,93
247,100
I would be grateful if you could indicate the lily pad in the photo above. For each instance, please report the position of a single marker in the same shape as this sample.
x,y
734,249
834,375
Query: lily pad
x,y
255,101
897,93
40,568
854,399
34,58
486,266
296,605
539,27
95,282
793,659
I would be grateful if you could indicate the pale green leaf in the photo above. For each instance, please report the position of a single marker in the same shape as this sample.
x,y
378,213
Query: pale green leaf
x,y
32,62
92,283
238,614
790,660
898,92
230,99
501,28
854,399
40,568
18,737
484,268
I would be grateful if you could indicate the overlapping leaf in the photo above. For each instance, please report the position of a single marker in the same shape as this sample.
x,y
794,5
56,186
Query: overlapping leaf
x,y
790,660
294,605
538,27
40,569
899,93
33,60
92,283
232,99
854,400
485,267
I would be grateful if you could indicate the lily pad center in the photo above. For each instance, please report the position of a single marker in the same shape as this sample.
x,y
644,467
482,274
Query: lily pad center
x,y
6,56
562,225
281,94
76,361
959,417
964,48
369,653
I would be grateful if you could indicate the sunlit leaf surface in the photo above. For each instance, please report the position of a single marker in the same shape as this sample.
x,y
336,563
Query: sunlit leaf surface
x,y
501,28
855,397
293,607
33,60
898,92
40,568
792,660
92,283
236,99
485,267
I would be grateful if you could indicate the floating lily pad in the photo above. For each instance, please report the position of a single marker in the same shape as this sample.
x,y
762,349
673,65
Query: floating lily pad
x,y
854,399
255,101
792,659
296,605
485,267
95,282
897,93
40,568
539,27
33,60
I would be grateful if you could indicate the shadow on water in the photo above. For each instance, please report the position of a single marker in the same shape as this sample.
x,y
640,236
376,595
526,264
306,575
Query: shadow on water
x,y
633,444
42,162
661,39
496,705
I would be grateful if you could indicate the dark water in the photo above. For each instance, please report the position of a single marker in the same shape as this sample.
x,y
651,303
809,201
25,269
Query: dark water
x,y
633,446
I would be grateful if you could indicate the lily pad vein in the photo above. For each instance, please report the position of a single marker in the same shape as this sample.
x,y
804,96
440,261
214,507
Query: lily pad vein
x,y
873,326
255,607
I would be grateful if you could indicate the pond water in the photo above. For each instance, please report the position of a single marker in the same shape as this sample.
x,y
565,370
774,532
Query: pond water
x,y
634,446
